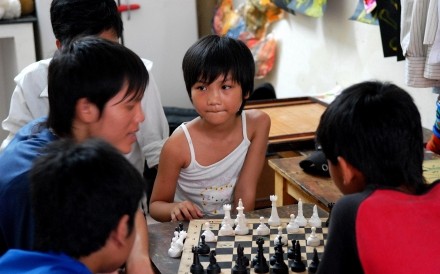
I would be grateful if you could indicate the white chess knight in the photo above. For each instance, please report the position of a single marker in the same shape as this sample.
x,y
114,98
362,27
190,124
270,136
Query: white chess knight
x,y
315,220
293,225
263,229
209,235
226,229
227,210
300,219
274,219
277,238
313,240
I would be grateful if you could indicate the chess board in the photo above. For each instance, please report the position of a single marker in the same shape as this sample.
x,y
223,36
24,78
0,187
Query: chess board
x,y
226,246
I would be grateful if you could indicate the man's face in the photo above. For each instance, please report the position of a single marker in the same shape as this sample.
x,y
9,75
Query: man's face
x,y
119,121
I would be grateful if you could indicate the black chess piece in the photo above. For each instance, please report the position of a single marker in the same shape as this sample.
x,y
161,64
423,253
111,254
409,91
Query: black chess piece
x,y
273,258
291,251
240,267
213,267
259,262
280,266
313,267
196,267
297,264
330,207
203,247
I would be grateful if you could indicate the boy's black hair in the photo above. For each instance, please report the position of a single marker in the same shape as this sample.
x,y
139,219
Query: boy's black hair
x,y
72,18
79,193
376,127
213,56
91,68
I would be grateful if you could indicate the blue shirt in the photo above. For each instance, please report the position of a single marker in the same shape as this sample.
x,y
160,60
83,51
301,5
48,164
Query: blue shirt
x,y
16,222
31,262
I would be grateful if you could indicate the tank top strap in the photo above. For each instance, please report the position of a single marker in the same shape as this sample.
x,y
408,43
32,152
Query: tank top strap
x,y
243,122
188,138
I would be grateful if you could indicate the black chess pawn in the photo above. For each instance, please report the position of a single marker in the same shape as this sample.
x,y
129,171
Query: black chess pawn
x,y
291,251
313,267
180,227
273,258
196,267
240,267
297,264
213,267
330,207
203,247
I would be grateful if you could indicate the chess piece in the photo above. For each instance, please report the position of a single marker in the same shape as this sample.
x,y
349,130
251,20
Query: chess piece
x,y
297,264
203,248
330,207
280,238
175,251
279,267
263,229
300,217
291,250
209,235
259,262
274,219
196,267
313,240
240,264
315,220
240,214
227,210
293,225
180,240
313,267
213,267
226,229
241,228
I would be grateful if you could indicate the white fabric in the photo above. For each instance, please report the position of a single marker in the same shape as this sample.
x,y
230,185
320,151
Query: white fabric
x,y
210,187
30,101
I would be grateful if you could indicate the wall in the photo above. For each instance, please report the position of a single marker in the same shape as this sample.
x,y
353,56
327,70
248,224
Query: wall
x,y
315,55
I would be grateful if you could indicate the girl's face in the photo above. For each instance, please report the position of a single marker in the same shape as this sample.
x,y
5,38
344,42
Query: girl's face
x,y
218,101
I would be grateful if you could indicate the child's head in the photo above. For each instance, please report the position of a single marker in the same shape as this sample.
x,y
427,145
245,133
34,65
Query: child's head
x,y
84,197
94,69
213,56
72,18
376,128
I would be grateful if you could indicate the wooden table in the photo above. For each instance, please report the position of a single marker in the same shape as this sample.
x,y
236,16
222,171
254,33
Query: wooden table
x,y
292,181
160,235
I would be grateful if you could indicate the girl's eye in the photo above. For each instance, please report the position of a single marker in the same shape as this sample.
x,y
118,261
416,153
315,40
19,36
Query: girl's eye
x,y
202,88
226,87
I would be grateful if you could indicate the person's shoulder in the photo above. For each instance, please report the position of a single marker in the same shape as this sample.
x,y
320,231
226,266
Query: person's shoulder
x,y
36,67
257,116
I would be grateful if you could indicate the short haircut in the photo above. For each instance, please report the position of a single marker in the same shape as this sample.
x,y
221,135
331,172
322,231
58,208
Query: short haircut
x,y
91,68
72,18
376,127
213,56
79,193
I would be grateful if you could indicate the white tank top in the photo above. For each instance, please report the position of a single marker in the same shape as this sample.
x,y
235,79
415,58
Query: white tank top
x,y
210,187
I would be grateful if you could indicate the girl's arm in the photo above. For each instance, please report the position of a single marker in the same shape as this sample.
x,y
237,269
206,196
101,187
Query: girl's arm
x,y
258,126
162,207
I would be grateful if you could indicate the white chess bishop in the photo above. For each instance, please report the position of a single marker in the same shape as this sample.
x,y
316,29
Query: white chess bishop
x,y
315,220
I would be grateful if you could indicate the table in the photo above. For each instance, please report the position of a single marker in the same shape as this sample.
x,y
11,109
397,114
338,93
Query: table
x,y
160,235
292,181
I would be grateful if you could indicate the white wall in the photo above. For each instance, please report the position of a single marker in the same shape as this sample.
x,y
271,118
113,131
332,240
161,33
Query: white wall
x,y
314,55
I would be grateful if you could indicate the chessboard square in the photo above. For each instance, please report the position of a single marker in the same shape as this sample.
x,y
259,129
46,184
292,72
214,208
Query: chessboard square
x,y
225,238
266,250
266,238
243,244
224,251
242,238
225,244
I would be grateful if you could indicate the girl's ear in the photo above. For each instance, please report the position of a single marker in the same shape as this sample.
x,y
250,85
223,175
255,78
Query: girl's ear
x,y
353,179
85,111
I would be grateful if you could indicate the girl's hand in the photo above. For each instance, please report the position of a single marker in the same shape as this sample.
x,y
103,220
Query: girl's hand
x,y
185,210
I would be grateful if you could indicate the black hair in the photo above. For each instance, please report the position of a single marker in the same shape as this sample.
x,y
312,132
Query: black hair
x,y
91,68
213,56
72,18
79,193
376,127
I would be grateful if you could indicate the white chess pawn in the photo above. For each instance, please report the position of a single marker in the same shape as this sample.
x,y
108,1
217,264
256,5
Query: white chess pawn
x,y
300,217
315,220
274,219
209,235
293,225
241,228
313,240
226,229
174,251
277,238
262,229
